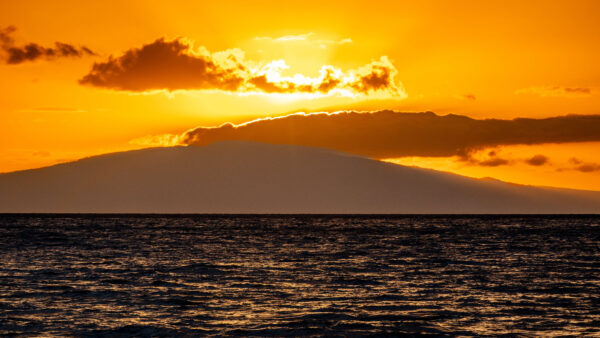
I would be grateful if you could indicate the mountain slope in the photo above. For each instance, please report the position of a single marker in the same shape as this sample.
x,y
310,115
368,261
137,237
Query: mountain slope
x,y
247,177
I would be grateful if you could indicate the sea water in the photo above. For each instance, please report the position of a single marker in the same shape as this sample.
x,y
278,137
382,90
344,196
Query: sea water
x,y
186,275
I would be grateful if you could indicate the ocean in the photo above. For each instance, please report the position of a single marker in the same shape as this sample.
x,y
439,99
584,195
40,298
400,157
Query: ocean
x,y
280,275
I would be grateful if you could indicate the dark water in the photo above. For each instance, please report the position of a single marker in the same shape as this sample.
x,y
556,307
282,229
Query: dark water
x,y
299,275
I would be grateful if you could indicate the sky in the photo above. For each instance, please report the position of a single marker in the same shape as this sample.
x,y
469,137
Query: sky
x,y
80,79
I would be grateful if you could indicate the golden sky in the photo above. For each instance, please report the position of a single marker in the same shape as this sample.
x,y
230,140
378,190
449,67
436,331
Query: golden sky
x,y
84,78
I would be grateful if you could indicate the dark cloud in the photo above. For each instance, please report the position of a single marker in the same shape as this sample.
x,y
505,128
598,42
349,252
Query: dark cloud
x,y
164,65
387,134
175,64
579,165
588,167
328,82
493,162
379,76
14,54
577,90
263,84
471,97
537,160
575,160
556,91
5,36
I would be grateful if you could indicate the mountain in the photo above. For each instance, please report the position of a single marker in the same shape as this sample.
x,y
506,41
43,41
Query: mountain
x,y
248,177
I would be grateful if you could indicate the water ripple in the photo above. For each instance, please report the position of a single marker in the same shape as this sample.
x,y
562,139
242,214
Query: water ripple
x,y
299,275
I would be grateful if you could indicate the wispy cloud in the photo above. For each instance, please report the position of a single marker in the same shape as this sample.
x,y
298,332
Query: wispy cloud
x,y
494,162
588,167
14,54
164,140
584,167
489,158
306,38
52,110
286,38
556,91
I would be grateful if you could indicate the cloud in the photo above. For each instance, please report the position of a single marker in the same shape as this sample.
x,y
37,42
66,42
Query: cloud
x,y
575,160
537,160
494,162
584,167
588,167
41,153
471,97
5,35
304,38
581,166
164,140
286,38
388,134
14,54
52,110
175,65
167,65
491,158
556,91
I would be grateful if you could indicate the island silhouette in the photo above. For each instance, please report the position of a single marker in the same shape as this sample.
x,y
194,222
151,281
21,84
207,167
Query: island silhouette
x,y
252,177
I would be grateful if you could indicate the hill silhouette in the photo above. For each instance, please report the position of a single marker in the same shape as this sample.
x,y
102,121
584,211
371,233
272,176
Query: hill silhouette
x,y
249,177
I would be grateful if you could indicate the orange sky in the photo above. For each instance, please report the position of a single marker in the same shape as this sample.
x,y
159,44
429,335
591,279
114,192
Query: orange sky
x,y
503,60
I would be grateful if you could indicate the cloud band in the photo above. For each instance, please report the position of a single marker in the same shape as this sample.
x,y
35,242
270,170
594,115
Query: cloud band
x,y
175,65
387,134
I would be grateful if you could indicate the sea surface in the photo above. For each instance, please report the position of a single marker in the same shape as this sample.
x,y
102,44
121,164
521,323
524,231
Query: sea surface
x,y
194,275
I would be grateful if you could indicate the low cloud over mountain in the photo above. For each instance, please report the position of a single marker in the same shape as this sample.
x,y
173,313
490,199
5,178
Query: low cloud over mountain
x,y
387,134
